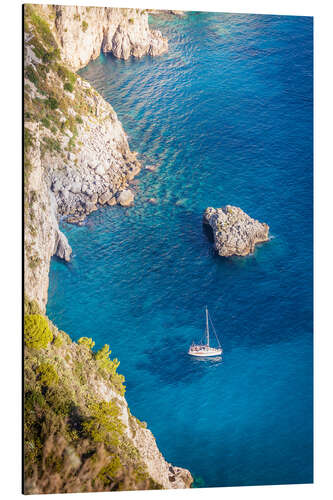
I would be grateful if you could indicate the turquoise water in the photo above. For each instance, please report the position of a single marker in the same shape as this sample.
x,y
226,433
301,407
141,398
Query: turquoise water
x,y
227,116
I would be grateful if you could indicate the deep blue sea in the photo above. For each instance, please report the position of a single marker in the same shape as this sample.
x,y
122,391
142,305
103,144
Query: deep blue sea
x,y
227,116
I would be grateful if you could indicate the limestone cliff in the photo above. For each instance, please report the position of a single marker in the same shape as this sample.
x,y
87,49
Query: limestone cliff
x,y
77,155
83,32
76,158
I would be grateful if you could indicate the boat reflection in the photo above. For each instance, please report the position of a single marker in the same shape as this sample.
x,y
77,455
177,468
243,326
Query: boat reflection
x,y
208,359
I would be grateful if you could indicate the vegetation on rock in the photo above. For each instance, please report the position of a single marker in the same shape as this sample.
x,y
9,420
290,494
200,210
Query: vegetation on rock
x,y
108,368
47,375
74,439
88,342
37,333
104,426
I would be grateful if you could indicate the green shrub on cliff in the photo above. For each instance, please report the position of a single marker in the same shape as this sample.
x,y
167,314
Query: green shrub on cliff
x,y
50,144
103,360
52,102
32,75
110,471
46,122
86,341
109,368
84,26
73,440
103,357
47,374
66,74
103,425
29,140
57,342
69,87
41,26
37,333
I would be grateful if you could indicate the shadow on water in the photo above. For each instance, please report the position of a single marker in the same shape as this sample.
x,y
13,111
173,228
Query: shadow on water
x,y
171,363
58,260
208,232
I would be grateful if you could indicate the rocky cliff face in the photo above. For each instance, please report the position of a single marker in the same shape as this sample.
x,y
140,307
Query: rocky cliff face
x,y
76,149
90,440
77,155
77,158
235,233
42,236
83,32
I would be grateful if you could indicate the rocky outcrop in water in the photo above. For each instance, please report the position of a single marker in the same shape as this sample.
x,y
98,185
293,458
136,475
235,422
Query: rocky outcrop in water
x,y
125,198
83,32
235,232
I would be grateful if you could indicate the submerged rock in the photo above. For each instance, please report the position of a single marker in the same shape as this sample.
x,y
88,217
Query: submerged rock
x,y
235,232
76,219
151,168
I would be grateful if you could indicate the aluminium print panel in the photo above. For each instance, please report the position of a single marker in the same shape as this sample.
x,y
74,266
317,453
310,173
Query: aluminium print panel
x,y
168,301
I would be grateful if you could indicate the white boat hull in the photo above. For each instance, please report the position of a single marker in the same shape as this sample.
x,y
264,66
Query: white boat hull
x,y
204,350
202,353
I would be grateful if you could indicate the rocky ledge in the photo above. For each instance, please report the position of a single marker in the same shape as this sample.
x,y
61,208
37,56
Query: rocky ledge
x,y
83,32
235,232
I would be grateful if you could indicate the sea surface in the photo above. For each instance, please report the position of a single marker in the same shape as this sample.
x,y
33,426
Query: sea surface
x,y
226,115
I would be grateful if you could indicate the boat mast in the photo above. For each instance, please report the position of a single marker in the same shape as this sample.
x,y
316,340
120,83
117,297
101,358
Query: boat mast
x,y
207,326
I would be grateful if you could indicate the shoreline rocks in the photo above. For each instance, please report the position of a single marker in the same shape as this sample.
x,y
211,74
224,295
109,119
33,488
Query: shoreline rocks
x,y
73,174
235,232
126,198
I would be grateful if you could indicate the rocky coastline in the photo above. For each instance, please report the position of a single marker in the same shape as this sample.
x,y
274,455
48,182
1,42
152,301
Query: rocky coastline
x,y
235,232
76,152
77,158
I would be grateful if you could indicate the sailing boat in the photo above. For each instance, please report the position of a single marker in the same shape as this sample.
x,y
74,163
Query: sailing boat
x,y
206,349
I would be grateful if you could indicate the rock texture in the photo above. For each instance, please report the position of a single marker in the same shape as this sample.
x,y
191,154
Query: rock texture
x,y
95,172
125,198
42,236
164,473
172,477
83,32
235,233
